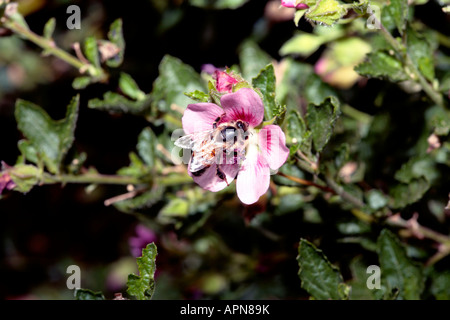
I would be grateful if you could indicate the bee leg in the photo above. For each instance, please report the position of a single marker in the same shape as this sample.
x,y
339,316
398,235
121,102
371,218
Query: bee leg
x,y
222,175
217,121
199,172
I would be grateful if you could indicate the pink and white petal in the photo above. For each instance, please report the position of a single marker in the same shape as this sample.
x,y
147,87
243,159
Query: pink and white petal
x,y
200,117
253,179
244,104
209,179
272,145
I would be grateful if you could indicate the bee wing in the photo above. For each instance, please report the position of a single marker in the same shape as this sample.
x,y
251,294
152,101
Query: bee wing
x,y
194,140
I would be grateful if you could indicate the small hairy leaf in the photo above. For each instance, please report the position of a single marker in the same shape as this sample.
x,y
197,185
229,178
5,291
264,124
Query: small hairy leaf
x,y
143,286
319,277
397,270
321,120
51,138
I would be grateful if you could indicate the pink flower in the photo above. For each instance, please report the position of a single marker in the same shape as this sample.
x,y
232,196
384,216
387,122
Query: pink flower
x,y
224,81
143,237
266,149
294,4
6,182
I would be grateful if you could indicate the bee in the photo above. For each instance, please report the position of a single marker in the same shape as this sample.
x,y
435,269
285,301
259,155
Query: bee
x,y
223,143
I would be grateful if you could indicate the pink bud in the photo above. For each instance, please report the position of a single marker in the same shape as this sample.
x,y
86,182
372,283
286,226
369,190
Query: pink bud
x,y
224,81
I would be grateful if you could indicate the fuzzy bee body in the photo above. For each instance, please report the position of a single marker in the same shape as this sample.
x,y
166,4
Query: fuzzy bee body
x,y
225,143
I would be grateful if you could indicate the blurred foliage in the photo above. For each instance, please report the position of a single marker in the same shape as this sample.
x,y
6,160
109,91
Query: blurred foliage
x,y
361,91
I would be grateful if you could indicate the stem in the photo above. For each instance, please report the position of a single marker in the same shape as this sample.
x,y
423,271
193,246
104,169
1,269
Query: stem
x,y
423,232
46,44
89,179
407,61
343,194
305,182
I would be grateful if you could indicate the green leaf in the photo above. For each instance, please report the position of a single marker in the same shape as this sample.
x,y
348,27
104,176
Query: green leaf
x,y
115,35
176,208
303,44
298,15
146,146
440,285
28,151
326,12
265,82
51,138
319,277
397,270
49,28
86,294
143,286
405,194
130,87
252,59
421,52
418,167
91,51
376,199
321,120
380,64
296,127
82,82
198,96
217,4
115,102
395,14
174,79
24,176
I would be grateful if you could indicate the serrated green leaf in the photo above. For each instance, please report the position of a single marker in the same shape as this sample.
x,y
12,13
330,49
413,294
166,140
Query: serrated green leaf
x,y
174,79
86,294
146,146
421,52
326,12
296,127
397,270
82,82
381,64
91,51
142,202
28,151
130,87
405,194
24,176
217,4
175,208
321,120
316,90
318,276
115,102
115,35
265,82
52,138
395,14
49,28
418,167
252,59
143,286
198,96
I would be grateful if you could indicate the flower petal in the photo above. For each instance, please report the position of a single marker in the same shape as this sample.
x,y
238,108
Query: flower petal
x,y
244,104
272,144
200,117
209,180
253,179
